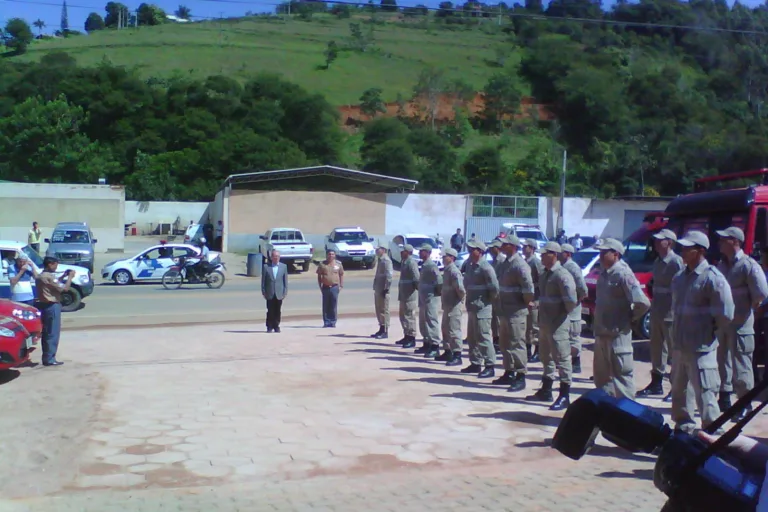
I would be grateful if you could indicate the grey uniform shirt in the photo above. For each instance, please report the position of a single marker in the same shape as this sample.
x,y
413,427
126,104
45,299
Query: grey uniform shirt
x,y
383,278
515,287
536,270
574,269
664,270
453,289
482,287
702,303
430,281
748,288
558,295
408,286
617,292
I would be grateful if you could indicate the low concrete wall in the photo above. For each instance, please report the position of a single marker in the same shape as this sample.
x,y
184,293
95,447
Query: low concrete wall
x,y
101,206
149,214
602,217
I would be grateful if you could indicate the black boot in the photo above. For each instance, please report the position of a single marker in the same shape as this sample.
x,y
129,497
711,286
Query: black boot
x,y
410,342
433,352
724,402
377,333
487,372
518,382
505,379
576,364
455,359
383,334
544,394
563,399
472,368
401,341
496,345
668,398
535,357
528,352
422,349
655,388
445,356
742,414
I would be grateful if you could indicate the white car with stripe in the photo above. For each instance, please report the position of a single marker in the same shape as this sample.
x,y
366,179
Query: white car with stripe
x,y
150,264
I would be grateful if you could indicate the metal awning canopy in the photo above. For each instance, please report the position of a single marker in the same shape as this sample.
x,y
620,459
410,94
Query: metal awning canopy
x,y
379,180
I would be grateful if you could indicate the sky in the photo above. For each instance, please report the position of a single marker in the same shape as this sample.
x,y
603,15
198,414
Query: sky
x,y
49,11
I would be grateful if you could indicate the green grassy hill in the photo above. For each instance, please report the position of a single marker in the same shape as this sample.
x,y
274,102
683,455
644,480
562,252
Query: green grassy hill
x,y
293,48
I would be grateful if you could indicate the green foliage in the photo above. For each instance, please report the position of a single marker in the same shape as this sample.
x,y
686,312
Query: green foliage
x,y
371,102
183,12
389,5
116,12
94,22
150,15
331,53
18,35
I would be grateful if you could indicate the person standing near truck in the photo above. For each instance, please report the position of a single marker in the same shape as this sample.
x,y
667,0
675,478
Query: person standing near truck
x,y
330,279
532,325
33,239
452,296
430,290
408,295
382,281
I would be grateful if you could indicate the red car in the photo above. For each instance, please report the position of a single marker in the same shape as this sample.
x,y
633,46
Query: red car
x,y
28,316
639,255
15,343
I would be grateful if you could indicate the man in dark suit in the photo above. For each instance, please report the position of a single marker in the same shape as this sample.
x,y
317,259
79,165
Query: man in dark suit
x,y
274,288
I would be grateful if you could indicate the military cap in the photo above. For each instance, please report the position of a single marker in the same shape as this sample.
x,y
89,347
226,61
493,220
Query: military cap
x,y
476,244
568,248
425,247
496,243
692,238
382,246
610,244
530,242
408,248
732,232
451,252
552,247
666,234
510,240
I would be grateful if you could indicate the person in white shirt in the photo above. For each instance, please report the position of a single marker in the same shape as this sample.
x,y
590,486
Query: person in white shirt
x,y
22,273
577,242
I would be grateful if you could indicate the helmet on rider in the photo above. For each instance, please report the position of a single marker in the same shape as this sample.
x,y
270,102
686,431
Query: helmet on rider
x,y
202,241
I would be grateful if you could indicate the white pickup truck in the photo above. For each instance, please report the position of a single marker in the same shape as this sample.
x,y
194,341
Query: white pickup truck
x,y
351,245
294,250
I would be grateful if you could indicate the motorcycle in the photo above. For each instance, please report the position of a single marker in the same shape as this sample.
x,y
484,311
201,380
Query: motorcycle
x,y
209,273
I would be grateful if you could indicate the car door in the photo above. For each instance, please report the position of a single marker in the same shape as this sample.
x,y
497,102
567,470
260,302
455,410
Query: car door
x,y
148,265
5,281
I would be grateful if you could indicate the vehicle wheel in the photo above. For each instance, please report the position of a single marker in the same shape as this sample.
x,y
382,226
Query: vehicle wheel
x,y
122,277
70,300
368,266
305,266
215,280
642,329
172,280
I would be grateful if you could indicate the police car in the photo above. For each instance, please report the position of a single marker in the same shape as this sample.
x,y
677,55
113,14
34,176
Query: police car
x,y
148,265
82,284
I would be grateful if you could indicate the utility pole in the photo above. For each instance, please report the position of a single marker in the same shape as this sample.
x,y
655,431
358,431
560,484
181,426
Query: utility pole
x,y
499,13
136,19
560,222
119,19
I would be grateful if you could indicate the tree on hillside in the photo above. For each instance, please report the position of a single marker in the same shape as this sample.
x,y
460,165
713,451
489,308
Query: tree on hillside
x,y
331,53
501,100
430,87
18,35
94,22
485,171
150,15
358,40
117,15
371,102
183,12
40,25
445,10
389,5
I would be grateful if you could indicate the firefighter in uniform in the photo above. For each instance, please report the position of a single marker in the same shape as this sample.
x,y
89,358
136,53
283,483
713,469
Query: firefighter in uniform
x,y
430,284
497,258
515,293
737,341
482,288
452,297
701,304
556,302
619,303
408,296
381,284
532,323
574,330
664,269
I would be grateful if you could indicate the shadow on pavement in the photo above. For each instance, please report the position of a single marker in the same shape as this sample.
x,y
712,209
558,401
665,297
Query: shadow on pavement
x,y
619,453
420,369
477,397
399,359
7,376
643,474
343,336
522,417
376,351
248,332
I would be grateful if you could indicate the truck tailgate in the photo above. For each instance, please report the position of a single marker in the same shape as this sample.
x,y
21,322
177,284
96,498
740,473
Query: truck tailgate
x,y
293,249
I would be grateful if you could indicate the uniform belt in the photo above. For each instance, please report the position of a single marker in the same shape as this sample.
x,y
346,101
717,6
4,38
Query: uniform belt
x,y
330,285
477,287
510,289
554,300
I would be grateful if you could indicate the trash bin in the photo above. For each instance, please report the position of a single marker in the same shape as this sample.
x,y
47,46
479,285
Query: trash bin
x,y
253,264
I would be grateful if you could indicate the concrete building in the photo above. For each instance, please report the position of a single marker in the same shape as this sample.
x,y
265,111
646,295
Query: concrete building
x,y
101,206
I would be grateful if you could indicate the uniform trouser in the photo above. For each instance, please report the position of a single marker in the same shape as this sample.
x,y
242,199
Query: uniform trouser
x,y
661,344
408,316
495,322
451,327
574,336
695,376
555,351
429,326
512,343
51,318
734,358
330,304
614,365
532,327
480,342
381,303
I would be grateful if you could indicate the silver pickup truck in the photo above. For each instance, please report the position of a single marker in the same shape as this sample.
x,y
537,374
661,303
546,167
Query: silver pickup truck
x,y
294,250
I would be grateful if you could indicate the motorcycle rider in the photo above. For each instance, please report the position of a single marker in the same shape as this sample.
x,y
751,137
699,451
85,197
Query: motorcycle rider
x,y
199,268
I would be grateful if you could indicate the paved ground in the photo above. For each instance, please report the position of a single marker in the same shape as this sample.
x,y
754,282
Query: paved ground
x,y
231,418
